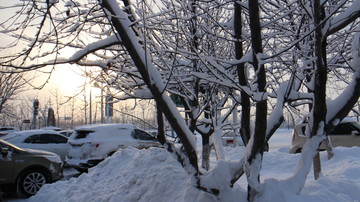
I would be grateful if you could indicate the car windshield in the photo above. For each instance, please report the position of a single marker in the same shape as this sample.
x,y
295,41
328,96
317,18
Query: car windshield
x,y
142,135
11,136
3,142
5,129
82,134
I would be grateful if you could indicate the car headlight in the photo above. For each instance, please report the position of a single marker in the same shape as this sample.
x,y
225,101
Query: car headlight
x,y
54,158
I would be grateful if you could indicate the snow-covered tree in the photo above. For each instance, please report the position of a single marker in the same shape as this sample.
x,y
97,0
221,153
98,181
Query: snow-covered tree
x,y
274,54
11,85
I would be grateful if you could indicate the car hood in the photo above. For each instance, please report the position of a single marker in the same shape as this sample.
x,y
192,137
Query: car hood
x,y
49,155
37,151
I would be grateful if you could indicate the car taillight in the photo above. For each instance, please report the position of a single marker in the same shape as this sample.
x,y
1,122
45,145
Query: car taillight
x,y
97,145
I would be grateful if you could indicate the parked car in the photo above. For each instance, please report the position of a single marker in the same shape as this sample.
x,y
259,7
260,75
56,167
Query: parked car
x,y
91,144
346,134
6,130
25,170
48,140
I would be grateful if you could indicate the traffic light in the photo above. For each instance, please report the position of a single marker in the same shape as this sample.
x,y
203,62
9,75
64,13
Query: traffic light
x,y
36,107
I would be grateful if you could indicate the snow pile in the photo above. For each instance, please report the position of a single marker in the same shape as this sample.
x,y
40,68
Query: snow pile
x,y
340,180
128,175
154,175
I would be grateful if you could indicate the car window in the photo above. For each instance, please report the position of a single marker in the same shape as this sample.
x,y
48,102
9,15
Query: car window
x,y
52,138
82,134
141,135
5,129
35,139
45,139
342,129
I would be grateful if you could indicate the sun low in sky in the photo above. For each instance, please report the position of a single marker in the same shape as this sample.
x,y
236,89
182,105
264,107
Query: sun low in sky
x,y
68,80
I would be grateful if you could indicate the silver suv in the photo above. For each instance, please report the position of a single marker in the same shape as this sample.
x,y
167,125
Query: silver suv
x,y
25,170
346,134
90,144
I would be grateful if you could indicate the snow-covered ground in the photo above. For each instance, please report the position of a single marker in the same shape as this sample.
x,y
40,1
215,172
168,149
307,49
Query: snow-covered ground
x,y
154,175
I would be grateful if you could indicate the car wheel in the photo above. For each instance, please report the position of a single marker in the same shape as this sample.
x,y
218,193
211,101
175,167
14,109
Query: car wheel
x,y
31,181
298,150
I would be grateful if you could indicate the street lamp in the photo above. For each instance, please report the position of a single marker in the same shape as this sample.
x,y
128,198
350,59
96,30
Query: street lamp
x,y
97,85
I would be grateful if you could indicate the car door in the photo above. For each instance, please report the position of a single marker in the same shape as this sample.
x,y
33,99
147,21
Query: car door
x,y
7,162
58,144
54,143
342,136
47,142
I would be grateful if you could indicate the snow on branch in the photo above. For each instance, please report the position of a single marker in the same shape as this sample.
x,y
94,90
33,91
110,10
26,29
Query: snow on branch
x,y
348,16
101,44
339,108
151,77
77,57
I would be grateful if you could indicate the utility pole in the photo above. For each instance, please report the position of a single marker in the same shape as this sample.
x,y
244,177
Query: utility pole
x,y
100,86
35,113
101,105
90,111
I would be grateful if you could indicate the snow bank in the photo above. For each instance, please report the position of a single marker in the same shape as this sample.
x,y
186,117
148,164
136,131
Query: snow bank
x,y
129,175
154,175
340,180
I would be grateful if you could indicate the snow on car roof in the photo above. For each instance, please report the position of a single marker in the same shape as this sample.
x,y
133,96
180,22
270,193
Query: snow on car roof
x,y
110,126
103,132
51,128
39,131
27,133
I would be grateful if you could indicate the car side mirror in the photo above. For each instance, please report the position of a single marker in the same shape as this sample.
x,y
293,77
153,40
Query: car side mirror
x,y
354,132
4,151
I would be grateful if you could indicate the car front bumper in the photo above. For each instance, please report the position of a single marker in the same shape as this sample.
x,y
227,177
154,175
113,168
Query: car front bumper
x,y
83,164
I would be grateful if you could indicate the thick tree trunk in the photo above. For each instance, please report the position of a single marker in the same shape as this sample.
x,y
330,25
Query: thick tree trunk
x,y
206,152
194,49
257,146
319,108
161,126
317,166
242,74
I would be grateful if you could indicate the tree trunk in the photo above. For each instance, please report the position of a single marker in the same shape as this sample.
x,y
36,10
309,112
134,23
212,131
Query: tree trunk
x,y
206,148
317,166
329,149
161,126
319,108
143,63
242,74
257,147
